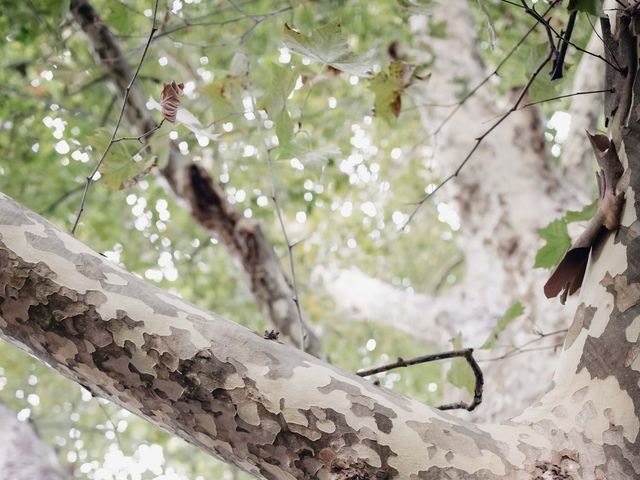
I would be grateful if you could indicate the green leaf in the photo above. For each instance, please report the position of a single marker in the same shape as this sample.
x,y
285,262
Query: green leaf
x,y
284,128
119,168
556,236
387,88
557,243
587,212
226,95
460,374
438,29
513,312
283,80
328,45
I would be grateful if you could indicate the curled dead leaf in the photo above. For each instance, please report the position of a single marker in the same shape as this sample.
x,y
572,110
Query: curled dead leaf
x,y
170,100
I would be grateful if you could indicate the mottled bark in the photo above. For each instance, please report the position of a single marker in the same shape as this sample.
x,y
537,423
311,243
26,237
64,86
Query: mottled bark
x,y
243,238
23,455
279,413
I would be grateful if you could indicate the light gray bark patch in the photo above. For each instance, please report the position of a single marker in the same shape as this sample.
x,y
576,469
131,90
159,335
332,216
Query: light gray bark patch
x,y
606,355
353,392
448,437
13,214
94,268
582,320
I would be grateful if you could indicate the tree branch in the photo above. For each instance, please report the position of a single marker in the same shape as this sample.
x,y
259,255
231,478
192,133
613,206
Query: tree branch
x,y
467,353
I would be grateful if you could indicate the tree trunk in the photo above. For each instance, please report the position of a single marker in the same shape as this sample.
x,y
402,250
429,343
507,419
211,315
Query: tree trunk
x,y
23,455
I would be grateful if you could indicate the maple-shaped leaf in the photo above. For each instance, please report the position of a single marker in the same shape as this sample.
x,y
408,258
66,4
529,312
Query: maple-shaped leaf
x,y
226,94
388,87
558,241
328,44
170,100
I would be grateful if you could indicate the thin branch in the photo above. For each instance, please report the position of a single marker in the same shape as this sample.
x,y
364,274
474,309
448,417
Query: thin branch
x,y
558,64
495,72
117,126
290,246
559,97
523,348
540,18
143,136
480,139
467,353
58,201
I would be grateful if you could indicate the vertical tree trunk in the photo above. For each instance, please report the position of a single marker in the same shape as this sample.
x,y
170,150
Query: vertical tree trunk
x,y
23,455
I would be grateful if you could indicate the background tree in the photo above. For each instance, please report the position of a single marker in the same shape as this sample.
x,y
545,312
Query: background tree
x,y
368,182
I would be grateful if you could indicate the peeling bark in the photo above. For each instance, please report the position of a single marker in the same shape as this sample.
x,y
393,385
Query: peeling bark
x,y
209,206
279,413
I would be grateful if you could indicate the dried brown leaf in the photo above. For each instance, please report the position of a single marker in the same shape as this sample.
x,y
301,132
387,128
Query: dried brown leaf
x,y
170,100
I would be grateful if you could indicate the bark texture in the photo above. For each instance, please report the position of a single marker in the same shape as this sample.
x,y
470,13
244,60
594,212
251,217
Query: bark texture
x,y
279,413
23,455
244,239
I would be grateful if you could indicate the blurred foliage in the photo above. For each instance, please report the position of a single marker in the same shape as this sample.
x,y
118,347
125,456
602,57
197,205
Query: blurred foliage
x,y
293,77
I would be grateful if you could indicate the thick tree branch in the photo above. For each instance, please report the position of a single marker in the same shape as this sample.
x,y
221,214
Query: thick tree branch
x,y
209,206
279,413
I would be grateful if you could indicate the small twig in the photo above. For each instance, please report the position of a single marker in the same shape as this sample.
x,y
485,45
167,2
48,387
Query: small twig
x,y
56,203
519,351
522,348
552,47
467,353
559,97
290,246
113,425
89,179
558,63
495,72
296,297
143,136
479,140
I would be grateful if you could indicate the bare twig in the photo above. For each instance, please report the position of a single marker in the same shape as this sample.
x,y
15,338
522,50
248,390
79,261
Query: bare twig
x,y
479,140
523,348
143,136
559,97
467,353
558,64
58,201
495,72
89,179
290,246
